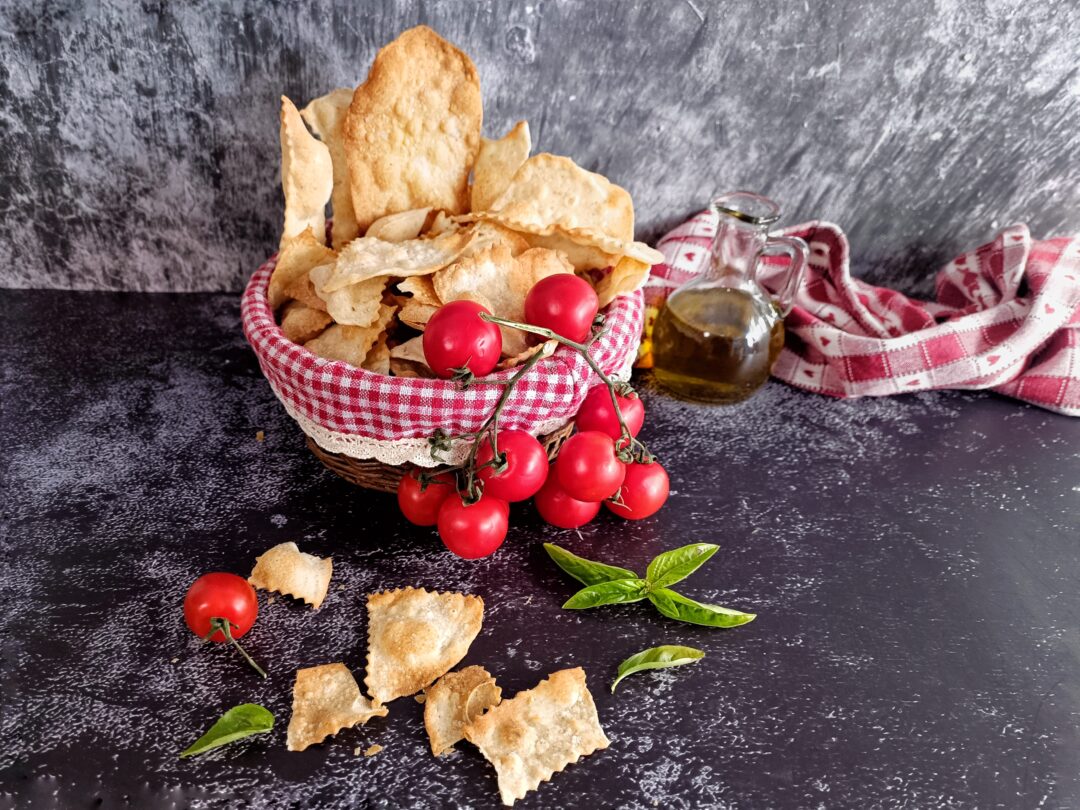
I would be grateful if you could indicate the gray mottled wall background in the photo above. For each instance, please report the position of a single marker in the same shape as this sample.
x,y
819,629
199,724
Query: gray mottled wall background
x,y
138,141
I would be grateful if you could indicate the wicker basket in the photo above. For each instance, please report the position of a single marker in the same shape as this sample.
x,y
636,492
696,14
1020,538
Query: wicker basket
x,y
372,474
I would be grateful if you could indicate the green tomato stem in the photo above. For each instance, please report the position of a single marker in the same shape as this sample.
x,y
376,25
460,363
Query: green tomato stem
x,y
225,626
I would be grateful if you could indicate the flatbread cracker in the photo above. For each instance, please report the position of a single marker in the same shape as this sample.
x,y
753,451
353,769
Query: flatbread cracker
x,y
538,732
496,163
287,570
295,260
326,116
307,176
355,305
422,290
366,258
399,227
378,358
407,359
627,275
413,129
454,700
351,344
326,699
301,323
414,636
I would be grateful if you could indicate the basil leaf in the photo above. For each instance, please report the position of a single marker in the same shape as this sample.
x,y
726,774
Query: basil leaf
x,y
614,592
585,571
238,722
667,655
677,564
676,606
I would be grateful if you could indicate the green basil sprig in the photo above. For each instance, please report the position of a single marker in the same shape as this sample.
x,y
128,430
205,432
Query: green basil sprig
x,y
667,655
238,722
610,585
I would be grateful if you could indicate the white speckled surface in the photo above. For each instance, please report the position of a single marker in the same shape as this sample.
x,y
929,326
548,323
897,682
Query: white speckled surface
x,y
912,562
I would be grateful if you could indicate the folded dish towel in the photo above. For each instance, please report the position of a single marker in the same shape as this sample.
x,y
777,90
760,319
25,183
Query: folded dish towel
x,y
1007,318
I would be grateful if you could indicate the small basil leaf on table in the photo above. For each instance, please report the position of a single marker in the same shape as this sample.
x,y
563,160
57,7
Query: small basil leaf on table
x,y
677,564
615,592
585,571
238,722
667,655
676,606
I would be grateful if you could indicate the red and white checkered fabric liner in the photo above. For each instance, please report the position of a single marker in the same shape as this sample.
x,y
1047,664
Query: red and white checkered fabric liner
x,y
342,399
1007,318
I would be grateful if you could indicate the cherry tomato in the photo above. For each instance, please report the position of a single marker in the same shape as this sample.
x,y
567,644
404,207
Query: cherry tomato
x,y
473,530
587,467
420,504
526,466
456,337
564,303
643,492
559,509
220,596
597,413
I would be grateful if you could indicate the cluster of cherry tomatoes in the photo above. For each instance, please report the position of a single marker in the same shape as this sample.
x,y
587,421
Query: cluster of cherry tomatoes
x,y
601,464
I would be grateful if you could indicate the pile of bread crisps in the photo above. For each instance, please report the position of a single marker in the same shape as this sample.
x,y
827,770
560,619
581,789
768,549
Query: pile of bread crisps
x,y
427,211
415,637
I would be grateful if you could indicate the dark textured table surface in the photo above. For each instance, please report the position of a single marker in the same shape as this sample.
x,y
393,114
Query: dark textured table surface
x,y
913,562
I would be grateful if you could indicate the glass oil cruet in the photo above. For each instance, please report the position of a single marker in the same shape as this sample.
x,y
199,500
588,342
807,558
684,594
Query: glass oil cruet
x,y
717,336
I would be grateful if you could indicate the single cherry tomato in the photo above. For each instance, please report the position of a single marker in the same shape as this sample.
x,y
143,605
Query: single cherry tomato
x,y
643,491
597,412
457,337
473,530
419,503
220,596
564,303
587,467
559,509
526,466
222,607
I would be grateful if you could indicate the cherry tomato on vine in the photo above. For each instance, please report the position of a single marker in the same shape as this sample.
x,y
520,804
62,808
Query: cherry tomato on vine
x,y
223,596
420,504
597,412
587,467
564,303
473,530
456,337
526,466
559,509
643,491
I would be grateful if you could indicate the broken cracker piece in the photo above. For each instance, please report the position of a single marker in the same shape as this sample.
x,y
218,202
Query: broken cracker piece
x,y
454,700
414,636
326,699
287,570
307,176
537,733
372,750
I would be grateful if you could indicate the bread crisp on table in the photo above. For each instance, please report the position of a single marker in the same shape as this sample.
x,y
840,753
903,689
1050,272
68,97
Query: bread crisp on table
x,y
538,732
288,570
415,636
454,700
326,699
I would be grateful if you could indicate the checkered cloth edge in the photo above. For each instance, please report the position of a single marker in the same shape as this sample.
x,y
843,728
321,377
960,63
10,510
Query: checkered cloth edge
x,y
349,400
1007,318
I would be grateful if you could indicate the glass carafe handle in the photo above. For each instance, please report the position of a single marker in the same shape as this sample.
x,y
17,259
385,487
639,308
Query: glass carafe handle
x,y
797,251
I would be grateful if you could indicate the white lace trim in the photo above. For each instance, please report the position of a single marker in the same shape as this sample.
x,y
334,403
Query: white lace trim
x,y
413,451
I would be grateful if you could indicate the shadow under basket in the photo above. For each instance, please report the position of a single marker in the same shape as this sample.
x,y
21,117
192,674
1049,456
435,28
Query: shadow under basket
x,y
372,474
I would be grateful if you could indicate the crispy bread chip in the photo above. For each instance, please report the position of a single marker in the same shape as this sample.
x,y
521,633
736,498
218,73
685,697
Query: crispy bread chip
x,y
351,343
296,259
583,257
417,315
407,359
326,116
499,281
355,305
378,358
307,176
366,258
627,276
413,128
538,732
414,636
399,227
422,290
496,163
301,323
326,699
286,569
454,700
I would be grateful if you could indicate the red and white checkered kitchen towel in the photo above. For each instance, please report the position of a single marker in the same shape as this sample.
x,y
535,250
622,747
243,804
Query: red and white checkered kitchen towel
x,y
1007,318
351,401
